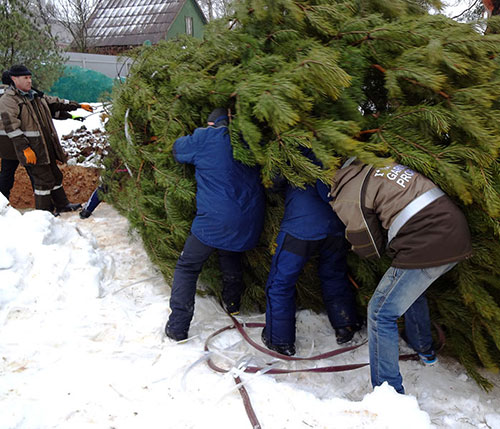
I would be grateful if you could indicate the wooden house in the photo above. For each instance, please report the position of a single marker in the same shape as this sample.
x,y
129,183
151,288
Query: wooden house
x,y
119,25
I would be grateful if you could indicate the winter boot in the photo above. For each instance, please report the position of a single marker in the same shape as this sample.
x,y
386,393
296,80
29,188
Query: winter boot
x,y
176,336
84,214
345,334
232,308
44,202
283,349
61,201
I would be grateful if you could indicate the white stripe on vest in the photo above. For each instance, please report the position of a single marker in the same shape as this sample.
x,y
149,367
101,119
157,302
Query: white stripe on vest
x,y
412,209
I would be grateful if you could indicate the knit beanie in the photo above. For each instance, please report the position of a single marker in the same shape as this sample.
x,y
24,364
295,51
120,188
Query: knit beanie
x,y
19,70
217,115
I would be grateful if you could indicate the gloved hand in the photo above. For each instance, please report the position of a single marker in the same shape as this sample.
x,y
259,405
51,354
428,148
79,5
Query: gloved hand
x,y
87,107
78,118
29,155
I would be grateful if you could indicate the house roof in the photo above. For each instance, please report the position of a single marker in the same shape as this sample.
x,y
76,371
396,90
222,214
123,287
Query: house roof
x,y
132,22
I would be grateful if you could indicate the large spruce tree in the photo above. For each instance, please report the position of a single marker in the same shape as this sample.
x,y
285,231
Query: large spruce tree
x,y
375,79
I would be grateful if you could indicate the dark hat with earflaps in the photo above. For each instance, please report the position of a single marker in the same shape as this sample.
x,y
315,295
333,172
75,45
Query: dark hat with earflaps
x,y
6,80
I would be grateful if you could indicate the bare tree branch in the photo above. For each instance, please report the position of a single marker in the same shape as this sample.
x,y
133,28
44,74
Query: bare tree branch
x,y
215,8
72,15
470,8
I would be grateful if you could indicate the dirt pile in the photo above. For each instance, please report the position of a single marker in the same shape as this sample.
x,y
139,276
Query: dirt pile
x,y
85,150
79,183
84,147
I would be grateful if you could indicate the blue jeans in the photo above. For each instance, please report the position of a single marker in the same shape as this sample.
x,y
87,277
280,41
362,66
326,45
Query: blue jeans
x,y
400,291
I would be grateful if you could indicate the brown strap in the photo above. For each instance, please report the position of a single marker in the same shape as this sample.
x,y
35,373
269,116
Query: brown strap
x,y
253,369
265,350
248,404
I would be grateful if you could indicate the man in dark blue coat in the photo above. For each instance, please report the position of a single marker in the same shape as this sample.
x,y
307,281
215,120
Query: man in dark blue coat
x,y
309,227
230,206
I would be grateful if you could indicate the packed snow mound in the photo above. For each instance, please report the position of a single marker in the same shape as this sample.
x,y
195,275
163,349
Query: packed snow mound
x,y
49,259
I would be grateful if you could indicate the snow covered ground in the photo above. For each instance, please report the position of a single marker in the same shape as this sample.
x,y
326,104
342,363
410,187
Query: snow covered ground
x,y
82,312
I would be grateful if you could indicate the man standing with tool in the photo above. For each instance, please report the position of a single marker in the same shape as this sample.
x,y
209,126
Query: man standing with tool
x,y
404,213
27,126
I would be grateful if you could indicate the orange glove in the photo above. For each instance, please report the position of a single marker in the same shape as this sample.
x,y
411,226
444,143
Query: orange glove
x,y
29,155
87,107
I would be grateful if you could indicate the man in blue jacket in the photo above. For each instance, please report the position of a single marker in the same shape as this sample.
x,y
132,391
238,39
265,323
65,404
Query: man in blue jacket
x,y
230,206
309,227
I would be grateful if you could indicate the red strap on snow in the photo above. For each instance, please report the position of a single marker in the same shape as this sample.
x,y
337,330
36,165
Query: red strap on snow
x,y
253,369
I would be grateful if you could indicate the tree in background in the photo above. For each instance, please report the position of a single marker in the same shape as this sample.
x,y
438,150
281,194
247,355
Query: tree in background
x,y
25,41
471,10
215,8
73,15
374,79
493,8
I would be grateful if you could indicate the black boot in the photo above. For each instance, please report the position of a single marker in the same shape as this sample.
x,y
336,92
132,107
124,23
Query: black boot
x,y
61,201
283,349
84,214
176,336
44,202
346,333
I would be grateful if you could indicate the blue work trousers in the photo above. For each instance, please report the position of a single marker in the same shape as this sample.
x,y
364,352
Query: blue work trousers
x,y
94,199
186,273
287,263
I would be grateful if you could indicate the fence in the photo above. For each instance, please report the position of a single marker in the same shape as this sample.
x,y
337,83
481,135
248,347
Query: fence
x,y
108,65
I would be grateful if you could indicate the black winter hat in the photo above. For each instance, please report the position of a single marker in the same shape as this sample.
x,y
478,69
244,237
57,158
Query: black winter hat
x,y
218,114
19,70
6,80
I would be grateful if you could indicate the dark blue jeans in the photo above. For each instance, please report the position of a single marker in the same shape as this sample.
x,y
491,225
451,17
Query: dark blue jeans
x,y
186,274
287,263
